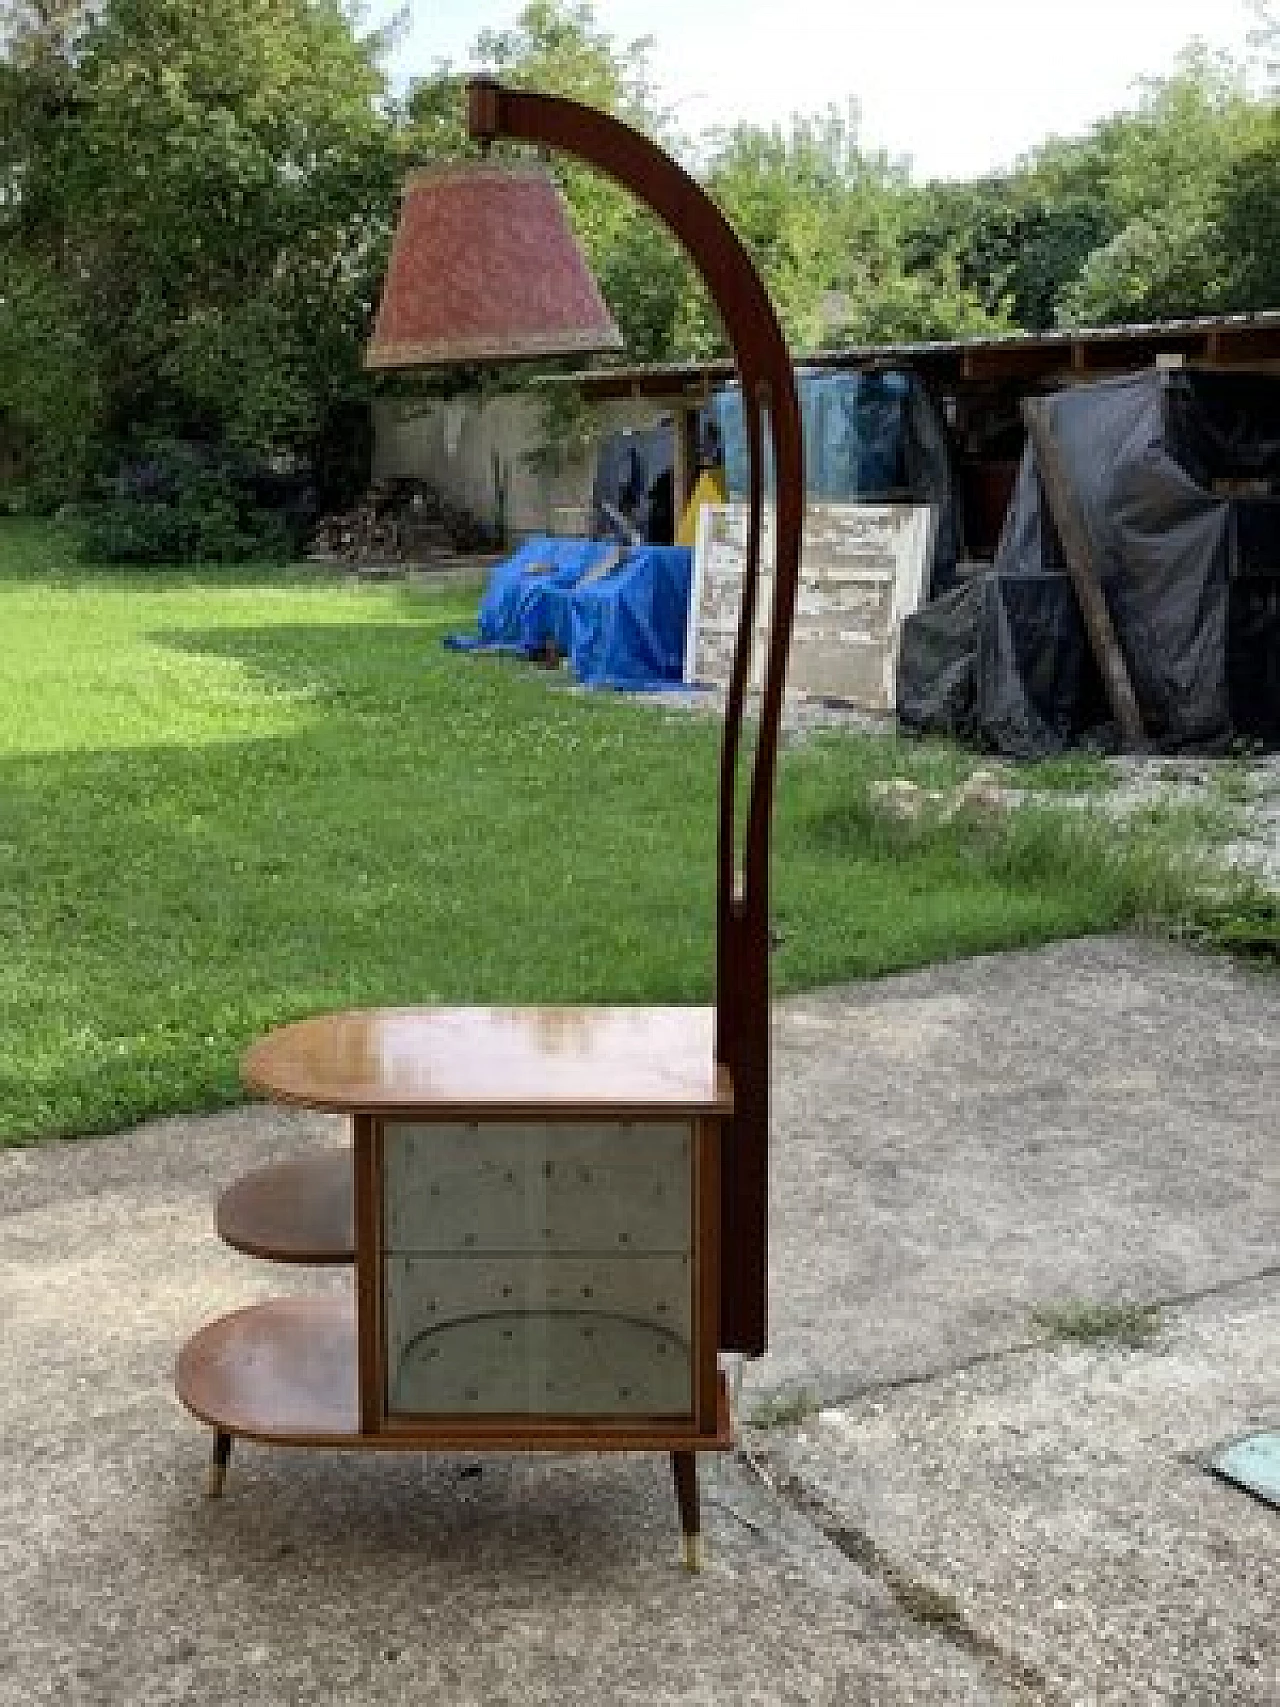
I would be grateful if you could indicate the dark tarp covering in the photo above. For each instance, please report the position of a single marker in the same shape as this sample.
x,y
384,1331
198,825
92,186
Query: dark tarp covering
x,y
1163,544
1159,546
1253,655
634,488
1002,660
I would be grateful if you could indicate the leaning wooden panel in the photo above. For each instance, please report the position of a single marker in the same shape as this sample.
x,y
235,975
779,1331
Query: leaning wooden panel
x,y
715,599
864,570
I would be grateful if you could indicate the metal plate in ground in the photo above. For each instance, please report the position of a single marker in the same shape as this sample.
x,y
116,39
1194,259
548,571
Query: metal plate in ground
x,y
1252,1463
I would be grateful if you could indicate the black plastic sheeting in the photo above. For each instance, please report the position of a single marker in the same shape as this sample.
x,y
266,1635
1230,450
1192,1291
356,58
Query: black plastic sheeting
x,y
633,496
1190,573
1002,661
1253,658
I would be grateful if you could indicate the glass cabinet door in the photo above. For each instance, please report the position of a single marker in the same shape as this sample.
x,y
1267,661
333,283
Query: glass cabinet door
x,y
538,1270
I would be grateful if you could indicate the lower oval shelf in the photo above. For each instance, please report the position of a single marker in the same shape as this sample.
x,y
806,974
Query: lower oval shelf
x,y
286,1372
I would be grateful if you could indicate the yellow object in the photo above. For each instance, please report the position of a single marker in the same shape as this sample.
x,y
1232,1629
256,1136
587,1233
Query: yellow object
x,y
711,489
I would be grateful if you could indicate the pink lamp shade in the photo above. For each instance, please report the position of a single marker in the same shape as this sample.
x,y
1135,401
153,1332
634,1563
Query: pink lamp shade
x,y
485,267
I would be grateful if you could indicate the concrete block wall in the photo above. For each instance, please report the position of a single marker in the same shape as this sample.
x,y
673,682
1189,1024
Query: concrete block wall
x,y
476,455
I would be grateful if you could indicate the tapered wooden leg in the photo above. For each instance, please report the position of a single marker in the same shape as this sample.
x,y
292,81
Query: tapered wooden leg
x,y
684,1465
216,1479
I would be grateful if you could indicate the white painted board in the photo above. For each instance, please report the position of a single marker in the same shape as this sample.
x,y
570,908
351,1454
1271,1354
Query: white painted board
x,y
863,569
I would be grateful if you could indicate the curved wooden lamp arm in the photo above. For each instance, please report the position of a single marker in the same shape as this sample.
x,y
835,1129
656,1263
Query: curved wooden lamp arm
x,y
768,387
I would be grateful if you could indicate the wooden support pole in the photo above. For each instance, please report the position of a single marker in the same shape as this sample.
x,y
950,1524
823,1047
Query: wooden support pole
x,y
1078,552
770,404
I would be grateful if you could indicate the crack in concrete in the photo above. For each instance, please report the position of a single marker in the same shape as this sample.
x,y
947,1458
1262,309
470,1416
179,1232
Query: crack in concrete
x,y
925,1605
860,1391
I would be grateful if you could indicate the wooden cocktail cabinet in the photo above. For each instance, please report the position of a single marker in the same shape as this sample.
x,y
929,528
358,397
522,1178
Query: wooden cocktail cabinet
x,y
557,1216
531,1199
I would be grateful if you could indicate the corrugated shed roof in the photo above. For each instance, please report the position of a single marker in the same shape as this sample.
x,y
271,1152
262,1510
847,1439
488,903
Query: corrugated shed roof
x,y
1232,339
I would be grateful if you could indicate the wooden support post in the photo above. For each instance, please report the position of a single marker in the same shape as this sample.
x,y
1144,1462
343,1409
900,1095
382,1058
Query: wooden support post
x,y
1084,576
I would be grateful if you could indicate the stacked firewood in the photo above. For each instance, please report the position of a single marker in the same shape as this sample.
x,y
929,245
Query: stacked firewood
x,y
402,521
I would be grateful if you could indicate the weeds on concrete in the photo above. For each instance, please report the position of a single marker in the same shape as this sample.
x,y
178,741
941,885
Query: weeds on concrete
x,y
1131,1326
785,1410
1245,922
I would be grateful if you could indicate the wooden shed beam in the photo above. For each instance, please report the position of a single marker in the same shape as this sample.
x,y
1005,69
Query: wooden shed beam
x,y
1078,551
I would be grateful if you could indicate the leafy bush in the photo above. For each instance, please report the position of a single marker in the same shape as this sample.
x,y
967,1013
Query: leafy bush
x,y
178,502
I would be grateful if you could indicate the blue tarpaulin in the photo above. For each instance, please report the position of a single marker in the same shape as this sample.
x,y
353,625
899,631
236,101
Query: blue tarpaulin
x,y
873,437
526,603
628,629
621,623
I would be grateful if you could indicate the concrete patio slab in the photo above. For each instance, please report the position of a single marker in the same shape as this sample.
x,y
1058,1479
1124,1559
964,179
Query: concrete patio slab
x,y
1057,1502
1098,1119
976,1517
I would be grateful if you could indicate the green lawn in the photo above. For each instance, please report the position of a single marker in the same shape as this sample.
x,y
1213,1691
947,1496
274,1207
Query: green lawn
x,y
229,800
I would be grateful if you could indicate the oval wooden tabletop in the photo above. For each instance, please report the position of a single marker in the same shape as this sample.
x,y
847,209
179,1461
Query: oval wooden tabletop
x,y
514,1062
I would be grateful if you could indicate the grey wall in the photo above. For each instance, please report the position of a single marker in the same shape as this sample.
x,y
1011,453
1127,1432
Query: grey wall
x,y
452,445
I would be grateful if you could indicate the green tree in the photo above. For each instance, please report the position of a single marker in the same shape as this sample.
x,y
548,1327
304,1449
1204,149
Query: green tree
x,y
49,381
1015,239
196,193
1128,222
1162,182
1246,224
824,220
791,198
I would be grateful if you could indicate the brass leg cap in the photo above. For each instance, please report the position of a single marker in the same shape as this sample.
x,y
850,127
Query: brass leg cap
x,y
691,1553
215,1481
